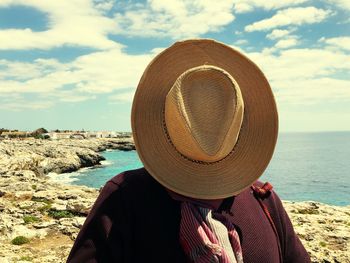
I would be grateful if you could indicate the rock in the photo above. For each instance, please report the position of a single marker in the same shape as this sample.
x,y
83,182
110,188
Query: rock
x,y
4,260
26,191
66,221
59,207
67,195
82,206
44,224
25,205
23,193
44,196
44,156
21,230
28,174
325,233
79,222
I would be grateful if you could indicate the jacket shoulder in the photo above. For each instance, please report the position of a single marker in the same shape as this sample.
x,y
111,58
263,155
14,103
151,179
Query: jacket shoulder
x,y
126,179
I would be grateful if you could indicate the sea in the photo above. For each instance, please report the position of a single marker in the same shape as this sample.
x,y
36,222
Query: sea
x,y
304,167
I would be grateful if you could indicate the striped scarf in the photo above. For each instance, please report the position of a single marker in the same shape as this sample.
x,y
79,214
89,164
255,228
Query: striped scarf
x,y
207,237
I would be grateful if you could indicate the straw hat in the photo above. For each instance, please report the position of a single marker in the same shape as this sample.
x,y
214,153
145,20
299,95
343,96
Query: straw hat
x,y
204,120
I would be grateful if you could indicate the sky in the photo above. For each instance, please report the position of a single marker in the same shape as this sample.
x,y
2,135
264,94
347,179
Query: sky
x,y
75,64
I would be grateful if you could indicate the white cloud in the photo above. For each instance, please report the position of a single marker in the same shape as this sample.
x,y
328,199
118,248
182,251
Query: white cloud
x,y
338,42
176,19
17,70
304,76
343,4
20,105
70,96
107,71
278,33
315,90
300,63
293,74
97,72
122,97
73,23
76,81
291,16
241,42
103,5
244,6
290,41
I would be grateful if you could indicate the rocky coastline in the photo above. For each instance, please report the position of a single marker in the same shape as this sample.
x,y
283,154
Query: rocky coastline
x,y
40,218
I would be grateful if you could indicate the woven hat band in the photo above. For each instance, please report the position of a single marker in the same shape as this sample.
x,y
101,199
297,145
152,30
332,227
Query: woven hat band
x,y
203,113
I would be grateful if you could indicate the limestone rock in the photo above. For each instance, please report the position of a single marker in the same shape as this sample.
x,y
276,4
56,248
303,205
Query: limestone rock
x,y
82,206
26,191
21,230
44,224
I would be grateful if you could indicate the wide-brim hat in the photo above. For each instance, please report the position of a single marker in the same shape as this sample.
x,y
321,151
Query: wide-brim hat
x,y
204,120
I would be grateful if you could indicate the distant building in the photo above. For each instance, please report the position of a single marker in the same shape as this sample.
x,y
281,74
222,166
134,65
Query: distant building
x,y
76,134
102,134
59,135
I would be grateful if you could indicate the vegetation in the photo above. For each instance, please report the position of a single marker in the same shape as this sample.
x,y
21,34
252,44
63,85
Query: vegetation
x,y
20,240
41,199
56,214
41,136
28,219
44,208
26,258
323,244
5,130
61,214
39,131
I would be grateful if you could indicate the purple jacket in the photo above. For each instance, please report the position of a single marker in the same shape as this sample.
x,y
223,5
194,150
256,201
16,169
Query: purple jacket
x,y
134,219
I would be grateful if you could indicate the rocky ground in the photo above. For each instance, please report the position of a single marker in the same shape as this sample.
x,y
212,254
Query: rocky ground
x,y
323,229
39,218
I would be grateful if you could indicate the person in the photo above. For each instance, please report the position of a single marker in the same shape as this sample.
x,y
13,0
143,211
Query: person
x,y
205,125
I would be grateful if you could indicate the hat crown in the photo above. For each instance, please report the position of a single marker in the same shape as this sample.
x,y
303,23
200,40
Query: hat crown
x,y
168,147
203,113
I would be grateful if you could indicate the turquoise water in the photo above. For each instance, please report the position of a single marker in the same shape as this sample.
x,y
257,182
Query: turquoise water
x,y
116,162
305,166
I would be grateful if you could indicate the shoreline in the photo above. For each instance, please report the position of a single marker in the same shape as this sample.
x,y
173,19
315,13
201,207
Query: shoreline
x,y
69,177
50,214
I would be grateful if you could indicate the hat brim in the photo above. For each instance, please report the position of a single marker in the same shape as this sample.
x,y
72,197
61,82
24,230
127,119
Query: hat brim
x,y
257,137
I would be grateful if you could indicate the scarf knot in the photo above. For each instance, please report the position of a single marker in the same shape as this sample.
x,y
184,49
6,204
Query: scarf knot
x,y
208,236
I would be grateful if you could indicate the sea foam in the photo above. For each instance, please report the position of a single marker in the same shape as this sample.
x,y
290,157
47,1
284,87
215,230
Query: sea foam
x,y
65,178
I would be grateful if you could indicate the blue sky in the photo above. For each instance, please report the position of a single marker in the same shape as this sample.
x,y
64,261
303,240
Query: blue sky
x,y
75,64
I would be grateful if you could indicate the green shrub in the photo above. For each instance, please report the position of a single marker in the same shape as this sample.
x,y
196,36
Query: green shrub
x,y
323,244
44,208
26,258
41,136
60,214
20,240
41,199
28,219
34,186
